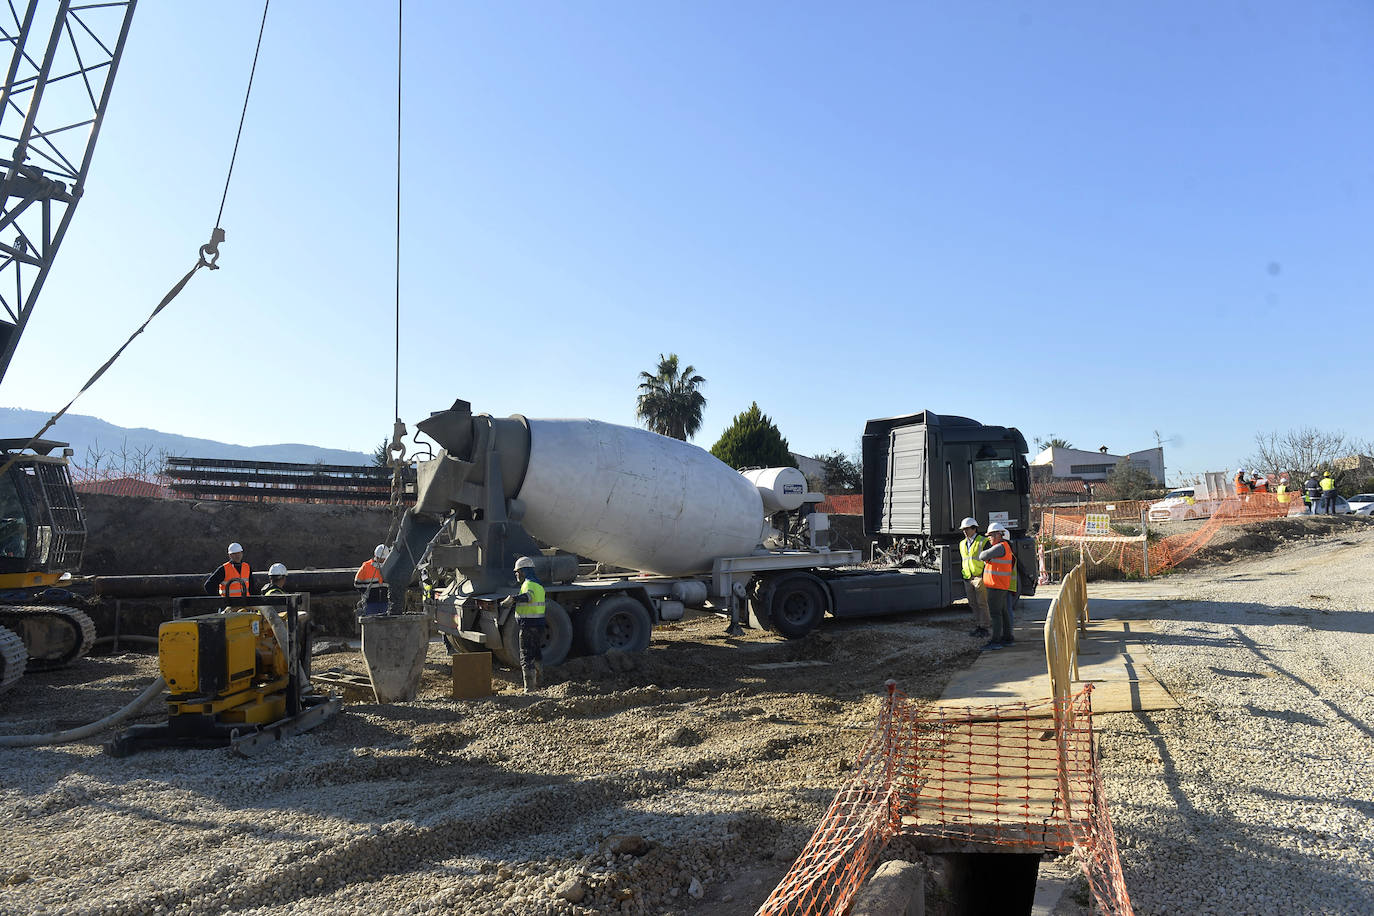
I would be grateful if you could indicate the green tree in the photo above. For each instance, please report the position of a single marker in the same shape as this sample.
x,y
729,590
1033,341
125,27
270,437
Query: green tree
x,y
381,458
670,401
1051,441
841,473
753,441
1127,482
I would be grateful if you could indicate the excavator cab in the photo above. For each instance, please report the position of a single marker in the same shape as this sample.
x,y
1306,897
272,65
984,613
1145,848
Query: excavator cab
x,y
42,526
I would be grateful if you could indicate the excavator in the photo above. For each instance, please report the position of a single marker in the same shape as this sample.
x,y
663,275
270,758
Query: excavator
x,y
52,104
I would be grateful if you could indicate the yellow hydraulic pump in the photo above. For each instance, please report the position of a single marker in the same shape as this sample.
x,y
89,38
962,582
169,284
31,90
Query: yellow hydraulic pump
x,y
239,677
227,664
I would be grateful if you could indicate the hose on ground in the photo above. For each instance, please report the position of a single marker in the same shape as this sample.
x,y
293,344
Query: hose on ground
x,y
85,731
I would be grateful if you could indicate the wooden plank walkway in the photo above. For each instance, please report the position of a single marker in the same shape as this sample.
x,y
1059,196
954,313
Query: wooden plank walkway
x,y
991,776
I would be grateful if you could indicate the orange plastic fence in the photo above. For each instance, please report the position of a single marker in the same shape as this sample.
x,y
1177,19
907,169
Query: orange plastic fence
x,y
1164,552
1015,775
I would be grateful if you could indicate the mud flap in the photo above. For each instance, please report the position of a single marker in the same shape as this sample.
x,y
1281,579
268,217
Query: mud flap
x,y
394,648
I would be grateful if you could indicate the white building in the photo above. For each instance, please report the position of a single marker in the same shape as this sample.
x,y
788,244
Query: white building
x,y
1077,464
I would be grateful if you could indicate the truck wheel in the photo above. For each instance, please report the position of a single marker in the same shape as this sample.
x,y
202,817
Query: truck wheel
x,y
557,637
796,607
616,622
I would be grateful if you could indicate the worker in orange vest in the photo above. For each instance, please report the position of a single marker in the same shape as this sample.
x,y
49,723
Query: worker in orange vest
x,y
369,580
234,578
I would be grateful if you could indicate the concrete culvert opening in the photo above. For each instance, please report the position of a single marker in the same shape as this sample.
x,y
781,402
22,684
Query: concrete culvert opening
x,y
977,883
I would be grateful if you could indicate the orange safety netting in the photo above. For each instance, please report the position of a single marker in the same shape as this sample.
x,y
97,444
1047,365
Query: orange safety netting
x,y
1020,775
1121,545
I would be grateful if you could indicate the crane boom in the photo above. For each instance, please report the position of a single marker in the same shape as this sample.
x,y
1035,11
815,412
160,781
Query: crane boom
x,y
51,107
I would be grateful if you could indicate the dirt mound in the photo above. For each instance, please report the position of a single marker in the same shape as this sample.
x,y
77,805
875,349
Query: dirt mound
x,y
1233,542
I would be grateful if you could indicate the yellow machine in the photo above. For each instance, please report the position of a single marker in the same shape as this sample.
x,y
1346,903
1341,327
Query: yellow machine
x,y
227,665
239,678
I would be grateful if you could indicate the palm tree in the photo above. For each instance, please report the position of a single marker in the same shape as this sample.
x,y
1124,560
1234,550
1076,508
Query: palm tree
x,y
669,402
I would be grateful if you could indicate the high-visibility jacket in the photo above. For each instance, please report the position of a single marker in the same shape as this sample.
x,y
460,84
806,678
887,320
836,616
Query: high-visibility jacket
x,y
973,567
1282,492
371,571
1241,486
272,590
1328,484
1001,573
237,580
535,606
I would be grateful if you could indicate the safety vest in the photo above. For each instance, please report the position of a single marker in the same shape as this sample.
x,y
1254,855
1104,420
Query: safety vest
x,y
535,606
1328,484
236,581
973,567
273,590
1001,573
1241,487
1282,492
369,572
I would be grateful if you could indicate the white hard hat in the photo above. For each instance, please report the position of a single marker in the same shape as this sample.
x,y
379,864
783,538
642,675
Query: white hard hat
x,y
380,551
969,523
236,547
997,526
278,569
524,563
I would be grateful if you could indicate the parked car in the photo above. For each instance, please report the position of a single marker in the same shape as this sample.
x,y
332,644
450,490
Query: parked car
x,y
1342,507
1179,504
1361,503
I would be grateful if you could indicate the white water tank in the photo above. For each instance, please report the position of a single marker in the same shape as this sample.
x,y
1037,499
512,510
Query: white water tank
x,y
633,498
781,489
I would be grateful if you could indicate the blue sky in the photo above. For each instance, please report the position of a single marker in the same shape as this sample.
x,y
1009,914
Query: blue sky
x,y
1093,220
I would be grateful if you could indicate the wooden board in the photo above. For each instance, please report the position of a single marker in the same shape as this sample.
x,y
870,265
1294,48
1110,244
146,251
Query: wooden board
x,y
1111,656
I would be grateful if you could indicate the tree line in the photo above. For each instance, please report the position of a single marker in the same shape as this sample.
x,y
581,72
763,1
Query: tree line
x,y
670,402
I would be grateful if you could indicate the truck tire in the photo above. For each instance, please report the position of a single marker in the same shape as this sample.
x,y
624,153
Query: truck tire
x,y
616,622
796,606
557,638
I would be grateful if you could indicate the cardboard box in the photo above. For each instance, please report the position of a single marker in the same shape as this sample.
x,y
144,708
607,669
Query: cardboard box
x,y
471,675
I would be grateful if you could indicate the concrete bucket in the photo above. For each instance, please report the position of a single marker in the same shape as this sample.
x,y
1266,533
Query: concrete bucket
x,y
394,648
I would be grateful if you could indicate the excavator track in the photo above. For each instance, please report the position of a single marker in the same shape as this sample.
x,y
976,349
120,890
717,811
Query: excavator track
x,y
53,635
13,658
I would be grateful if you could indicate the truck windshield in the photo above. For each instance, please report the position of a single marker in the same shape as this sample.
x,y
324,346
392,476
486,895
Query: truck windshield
x,y
1178,494
993,475
14,529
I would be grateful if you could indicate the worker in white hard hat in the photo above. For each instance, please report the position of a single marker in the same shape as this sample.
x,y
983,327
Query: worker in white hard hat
x,y
232,579
969,548
529,611
276,580
277,618
999,578
369,580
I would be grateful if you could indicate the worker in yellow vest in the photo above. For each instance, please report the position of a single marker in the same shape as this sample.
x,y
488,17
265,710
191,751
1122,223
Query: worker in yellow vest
x,y
1281,492
999,578
969,548
1328,485
233,579
529,612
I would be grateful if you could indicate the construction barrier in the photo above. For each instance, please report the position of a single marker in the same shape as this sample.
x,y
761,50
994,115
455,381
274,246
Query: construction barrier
x,y
1127,543
992,775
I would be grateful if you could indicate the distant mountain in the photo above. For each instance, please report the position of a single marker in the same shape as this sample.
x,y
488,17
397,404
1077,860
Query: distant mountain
x,y
92,437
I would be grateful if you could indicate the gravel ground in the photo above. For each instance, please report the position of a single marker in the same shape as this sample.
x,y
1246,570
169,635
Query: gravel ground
x,y
713,773
1257,796
685,780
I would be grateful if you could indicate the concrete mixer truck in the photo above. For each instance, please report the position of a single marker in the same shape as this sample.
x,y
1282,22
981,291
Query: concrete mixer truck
x,y
667,526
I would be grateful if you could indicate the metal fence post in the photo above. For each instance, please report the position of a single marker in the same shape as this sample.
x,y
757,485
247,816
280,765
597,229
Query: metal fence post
x,y
1145,542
